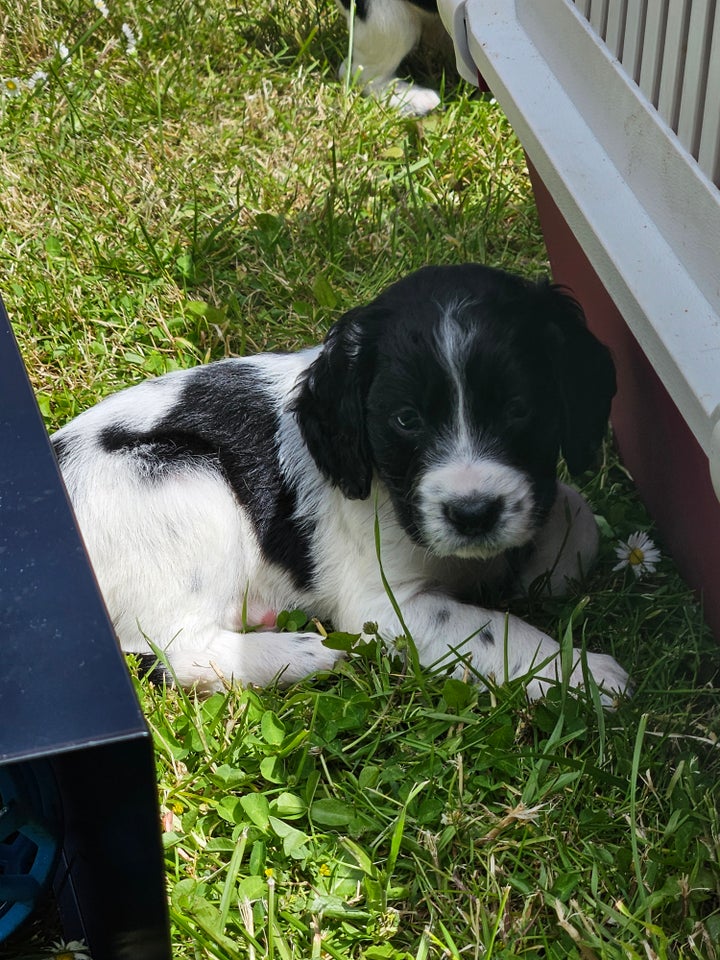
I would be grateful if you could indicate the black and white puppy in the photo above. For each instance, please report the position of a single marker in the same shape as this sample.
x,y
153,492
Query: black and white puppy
x,y
211,498
384,33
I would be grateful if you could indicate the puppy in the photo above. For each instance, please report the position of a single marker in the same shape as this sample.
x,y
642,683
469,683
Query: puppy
x,y
211,498
384,33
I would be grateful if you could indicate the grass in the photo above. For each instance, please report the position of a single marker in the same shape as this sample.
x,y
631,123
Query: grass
x,y
218,192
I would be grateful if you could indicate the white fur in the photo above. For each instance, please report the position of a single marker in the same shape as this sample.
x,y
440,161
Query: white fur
x,y
178,560
458,479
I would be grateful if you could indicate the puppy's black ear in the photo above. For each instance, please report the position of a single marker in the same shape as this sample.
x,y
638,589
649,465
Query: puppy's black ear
x,y
585,373
330,405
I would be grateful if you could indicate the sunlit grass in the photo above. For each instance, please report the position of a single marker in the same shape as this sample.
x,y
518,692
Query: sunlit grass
x,y
217,192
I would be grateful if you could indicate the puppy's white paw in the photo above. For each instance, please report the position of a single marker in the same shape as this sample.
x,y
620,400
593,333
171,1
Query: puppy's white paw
x,y
407,99
258,658
611,679
307,654
410,100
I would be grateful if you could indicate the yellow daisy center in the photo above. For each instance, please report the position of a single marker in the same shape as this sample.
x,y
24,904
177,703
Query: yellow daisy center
x,y
636,557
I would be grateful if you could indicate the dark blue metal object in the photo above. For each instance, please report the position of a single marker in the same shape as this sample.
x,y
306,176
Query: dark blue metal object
x,y
30,833
65,694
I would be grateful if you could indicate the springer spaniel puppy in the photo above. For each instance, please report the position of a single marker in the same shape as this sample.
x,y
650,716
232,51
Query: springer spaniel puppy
x,y
212,498
384,33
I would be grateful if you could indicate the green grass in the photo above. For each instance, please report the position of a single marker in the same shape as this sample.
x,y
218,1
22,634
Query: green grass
x,y
216,193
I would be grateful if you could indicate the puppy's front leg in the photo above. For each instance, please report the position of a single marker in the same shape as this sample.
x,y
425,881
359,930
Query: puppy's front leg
x,y
218,658
500,647
566,546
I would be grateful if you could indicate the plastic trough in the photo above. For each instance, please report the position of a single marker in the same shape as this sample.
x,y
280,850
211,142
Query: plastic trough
x,y
617,104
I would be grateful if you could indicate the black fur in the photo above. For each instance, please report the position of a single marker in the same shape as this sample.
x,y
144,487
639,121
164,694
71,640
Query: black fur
x,y
225,421
206,496
62,448
537,380
362,6
331,405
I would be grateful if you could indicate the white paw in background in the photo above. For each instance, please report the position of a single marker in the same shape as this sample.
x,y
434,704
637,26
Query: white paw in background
x,y
412,101
408,99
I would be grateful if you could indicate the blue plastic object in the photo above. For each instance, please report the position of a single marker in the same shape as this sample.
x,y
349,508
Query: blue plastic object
x,y
29,839
66,698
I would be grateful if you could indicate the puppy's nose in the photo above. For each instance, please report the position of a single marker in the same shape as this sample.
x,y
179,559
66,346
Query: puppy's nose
x,y
474,516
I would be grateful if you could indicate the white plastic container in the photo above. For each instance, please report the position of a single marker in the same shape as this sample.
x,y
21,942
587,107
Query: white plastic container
x,y
617,103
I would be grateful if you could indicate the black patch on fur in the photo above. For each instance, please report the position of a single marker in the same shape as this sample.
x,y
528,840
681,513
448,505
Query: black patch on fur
x,y
157,456
224,420
331,404
584,370
442,616
429,5
149,666
487,637
362,7
60,446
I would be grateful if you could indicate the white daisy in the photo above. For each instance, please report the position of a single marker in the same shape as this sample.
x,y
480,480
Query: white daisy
x,y
639,553
37,78
62,51
130,37
11,86
101,7
72,950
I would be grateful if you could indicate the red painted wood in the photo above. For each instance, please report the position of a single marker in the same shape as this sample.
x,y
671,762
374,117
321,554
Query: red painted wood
x,y
667,464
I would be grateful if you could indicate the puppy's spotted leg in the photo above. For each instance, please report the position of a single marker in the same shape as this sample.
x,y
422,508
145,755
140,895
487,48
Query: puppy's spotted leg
x,y
501,647
530,653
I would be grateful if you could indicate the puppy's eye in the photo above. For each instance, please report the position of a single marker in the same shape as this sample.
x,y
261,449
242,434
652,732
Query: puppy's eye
x,y
407,420
516,410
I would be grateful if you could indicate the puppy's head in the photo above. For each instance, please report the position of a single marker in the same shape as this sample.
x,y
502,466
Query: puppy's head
x,y
457,388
